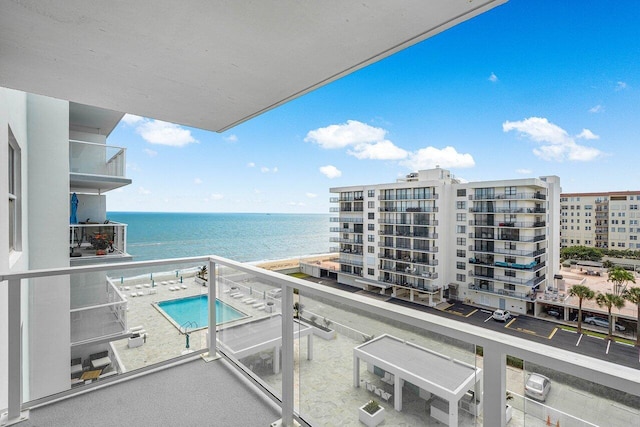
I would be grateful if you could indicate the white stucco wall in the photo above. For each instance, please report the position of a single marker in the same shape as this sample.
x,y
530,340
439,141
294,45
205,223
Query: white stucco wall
x,y
48,218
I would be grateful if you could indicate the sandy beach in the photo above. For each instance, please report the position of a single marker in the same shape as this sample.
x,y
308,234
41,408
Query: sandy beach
x,y
294,262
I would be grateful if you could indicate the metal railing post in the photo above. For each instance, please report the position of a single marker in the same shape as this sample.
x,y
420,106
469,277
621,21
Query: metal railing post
x,y
287,356
14,352
213,285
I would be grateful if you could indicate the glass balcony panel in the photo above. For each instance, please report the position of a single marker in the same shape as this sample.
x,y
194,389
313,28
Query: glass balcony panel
x,y
356,356
254,339
545,396
96,159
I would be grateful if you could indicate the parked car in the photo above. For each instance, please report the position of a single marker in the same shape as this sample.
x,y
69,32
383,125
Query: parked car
x,y
537,387
599,321
501,315
553,312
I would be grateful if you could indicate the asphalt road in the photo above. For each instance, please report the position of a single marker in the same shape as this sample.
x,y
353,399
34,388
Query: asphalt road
x,y
539,330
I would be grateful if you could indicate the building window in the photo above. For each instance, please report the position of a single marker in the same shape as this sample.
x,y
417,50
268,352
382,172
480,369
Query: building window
x,y
371,193
461,277
371,215
14,190
461,229
370,271
371,249
510,273
461,217
462,192
370,238
371,204
510,191
509,287
371,227
461,241
461,253
461,205
461,265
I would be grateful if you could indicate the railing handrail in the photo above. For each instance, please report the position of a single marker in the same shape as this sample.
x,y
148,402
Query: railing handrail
x,y
98,144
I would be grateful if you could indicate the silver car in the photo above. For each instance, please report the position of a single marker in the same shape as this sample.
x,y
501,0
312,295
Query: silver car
x,y
537,387
599,321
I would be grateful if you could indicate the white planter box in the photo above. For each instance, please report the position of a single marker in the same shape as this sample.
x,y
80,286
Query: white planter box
x,y
135,342
368,419
201,282
325,335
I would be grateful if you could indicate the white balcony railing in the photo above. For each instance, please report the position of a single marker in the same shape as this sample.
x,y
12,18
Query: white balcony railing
x,y
97,159
263,343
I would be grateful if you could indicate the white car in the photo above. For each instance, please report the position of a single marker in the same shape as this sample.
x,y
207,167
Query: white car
x,y
537,387
599,321
501,315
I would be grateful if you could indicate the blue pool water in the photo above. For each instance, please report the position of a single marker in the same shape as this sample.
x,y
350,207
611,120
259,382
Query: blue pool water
x,y
196,309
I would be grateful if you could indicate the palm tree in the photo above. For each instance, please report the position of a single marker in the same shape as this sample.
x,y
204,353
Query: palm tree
x,y
582,292
619,277
633,296
610,300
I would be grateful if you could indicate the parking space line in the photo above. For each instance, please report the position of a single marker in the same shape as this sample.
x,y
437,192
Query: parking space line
x,y
552,333
608,346
487,319
471,313
579,339
510,323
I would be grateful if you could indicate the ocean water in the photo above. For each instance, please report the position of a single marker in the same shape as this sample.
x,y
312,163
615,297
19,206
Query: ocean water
x,y
243,237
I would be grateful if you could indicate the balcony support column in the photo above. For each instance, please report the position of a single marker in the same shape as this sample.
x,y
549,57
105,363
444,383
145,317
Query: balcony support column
x,y
494,386
287,356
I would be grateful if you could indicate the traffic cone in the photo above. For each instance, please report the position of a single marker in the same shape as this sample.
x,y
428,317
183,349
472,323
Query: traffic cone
x,y
548,420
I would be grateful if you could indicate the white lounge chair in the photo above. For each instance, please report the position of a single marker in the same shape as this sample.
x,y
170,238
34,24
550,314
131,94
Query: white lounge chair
x,y
249,300
140,293
379,392
133,295
258,305
238,295
138,286
147,285
386,396
184,286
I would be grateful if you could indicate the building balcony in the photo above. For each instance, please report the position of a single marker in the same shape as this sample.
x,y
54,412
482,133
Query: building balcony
x,y
497,209
431,249
525,239
431,196
346,240
531,281
266,348
90,243
350,261
96,168
427,209
357,219
513,252
511,196
531,296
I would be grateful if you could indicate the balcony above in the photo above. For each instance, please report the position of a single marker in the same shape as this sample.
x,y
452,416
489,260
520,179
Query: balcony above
x,y
96,168
98,243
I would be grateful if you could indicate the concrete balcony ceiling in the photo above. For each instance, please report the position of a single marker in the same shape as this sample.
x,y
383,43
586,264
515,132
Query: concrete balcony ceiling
x,y
209,65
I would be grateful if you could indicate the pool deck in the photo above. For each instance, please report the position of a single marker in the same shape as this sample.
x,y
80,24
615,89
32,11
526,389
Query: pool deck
x,y
326,397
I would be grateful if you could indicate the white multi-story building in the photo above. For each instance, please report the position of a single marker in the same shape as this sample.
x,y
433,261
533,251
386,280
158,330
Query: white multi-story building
x,y
430,237
52,150
607,220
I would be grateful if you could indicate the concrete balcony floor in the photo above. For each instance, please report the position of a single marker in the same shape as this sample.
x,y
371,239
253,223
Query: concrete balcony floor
x,y
195,393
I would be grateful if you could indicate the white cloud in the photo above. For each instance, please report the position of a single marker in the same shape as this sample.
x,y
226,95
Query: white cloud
x,y
382,150
493,78
164,133
555,143
587,134
340,136
231,138
150,153
216,196
330,171
251,165
524,171
131,119
621,85
430,157
596,109
312,195
197,181
264,169
275,169
142,190
296,204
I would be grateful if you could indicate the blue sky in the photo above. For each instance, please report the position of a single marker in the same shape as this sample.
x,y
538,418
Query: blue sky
x,y
528,89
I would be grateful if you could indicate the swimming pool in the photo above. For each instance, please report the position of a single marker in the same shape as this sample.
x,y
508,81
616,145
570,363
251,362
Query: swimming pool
x,y
196,309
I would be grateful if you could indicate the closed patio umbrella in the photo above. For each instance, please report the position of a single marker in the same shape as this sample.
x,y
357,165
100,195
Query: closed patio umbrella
x,y
74,209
